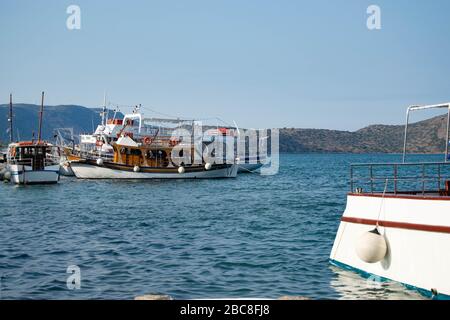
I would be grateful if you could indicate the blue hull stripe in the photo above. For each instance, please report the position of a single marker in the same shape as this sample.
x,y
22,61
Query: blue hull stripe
x,y
424,292
21,172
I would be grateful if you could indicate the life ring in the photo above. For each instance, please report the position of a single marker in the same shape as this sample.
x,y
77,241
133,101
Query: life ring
x,y
173,142
147,140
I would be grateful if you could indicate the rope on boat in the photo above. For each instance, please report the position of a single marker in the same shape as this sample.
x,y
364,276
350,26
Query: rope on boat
x,y
382,203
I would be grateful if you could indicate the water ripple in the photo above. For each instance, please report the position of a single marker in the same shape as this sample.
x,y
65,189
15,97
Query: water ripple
x,y
253,236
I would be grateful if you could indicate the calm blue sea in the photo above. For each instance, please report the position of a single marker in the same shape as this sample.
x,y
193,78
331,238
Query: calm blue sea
x,y
253,236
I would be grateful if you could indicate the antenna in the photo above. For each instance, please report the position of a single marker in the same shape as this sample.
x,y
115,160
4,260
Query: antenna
x,y
104,109
115,112
10,119
40,118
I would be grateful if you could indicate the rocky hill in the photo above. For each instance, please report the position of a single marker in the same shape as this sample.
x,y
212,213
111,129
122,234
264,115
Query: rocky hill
x,y
426,136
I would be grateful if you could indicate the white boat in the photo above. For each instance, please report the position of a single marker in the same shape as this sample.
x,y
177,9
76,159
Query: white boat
x,y
249,160
396,225
32,163
90,169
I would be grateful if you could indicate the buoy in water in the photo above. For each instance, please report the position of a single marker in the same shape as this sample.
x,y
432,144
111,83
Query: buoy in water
x,y
136,169
208,166
181,170
371,246
100,161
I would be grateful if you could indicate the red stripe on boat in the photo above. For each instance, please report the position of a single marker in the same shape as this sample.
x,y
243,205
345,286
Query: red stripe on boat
x,y
398,225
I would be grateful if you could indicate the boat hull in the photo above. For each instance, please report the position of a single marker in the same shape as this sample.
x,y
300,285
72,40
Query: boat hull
x,y
417,233
248,167
91,171
22,174
249,164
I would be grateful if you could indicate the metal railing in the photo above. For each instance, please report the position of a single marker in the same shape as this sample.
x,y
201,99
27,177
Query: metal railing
x,y
409,178
18,161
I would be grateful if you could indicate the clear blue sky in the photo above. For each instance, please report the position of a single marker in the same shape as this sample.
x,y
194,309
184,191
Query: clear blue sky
x,y
261,63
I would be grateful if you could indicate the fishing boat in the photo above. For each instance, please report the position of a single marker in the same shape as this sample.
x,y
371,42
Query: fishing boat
x,y
137,161
32,162
396,225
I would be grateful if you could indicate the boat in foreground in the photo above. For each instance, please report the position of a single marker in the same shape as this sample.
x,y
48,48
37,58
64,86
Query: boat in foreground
x,y
32,163
396,225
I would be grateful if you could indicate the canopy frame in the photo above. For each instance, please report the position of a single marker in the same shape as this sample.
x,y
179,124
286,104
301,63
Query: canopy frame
x,y
426,107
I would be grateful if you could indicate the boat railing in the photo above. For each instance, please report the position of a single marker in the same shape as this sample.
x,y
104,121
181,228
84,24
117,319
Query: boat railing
x,y
51,161
400,178
92,155
18,161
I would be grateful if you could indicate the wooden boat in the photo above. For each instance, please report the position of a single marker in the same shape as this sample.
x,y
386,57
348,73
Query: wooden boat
x,y
141,148
149,158
396,225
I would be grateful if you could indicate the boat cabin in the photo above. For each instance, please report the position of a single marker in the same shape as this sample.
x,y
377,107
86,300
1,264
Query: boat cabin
x,y
143,156
36,155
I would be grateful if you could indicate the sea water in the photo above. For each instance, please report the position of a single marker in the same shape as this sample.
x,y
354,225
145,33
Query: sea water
x,y
250,237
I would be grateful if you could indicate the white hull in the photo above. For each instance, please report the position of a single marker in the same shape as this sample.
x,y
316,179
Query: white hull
x,y
248,167
250,164
89,171
417,232
22,174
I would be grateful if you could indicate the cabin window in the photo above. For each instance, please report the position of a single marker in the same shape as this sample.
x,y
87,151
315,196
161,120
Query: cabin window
x,y
136,152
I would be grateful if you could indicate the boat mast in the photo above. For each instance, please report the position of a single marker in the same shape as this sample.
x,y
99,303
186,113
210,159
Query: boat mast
x,y
10,119
40,117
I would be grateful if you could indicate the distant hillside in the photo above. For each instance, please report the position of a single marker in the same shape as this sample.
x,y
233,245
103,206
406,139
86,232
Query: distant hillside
x,y
81,119
425,136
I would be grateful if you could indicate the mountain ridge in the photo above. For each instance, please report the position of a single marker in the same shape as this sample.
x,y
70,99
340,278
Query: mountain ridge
x,y
426,136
